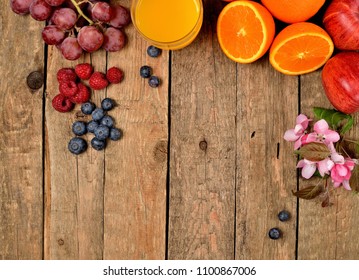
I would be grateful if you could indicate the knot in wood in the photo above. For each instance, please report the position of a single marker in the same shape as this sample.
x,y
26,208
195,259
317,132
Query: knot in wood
x,y
60,242
35,80
80,115
203,145
160,151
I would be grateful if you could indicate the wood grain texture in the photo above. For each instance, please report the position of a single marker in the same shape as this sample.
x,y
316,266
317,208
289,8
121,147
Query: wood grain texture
x,y
21,179
74,184
266,107
136,166
203,148
331,232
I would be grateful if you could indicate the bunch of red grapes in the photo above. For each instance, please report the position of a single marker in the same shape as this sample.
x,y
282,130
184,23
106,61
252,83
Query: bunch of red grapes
x,y
77,27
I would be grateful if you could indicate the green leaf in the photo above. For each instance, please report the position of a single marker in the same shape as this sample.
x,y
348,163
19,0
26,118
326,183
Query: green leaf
x,y
309,192
314,151
335,119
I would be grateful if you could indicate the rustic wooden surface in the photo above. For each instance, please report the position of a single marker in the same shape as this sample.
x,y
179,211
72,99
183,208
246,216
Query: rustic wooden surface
x,y
201,172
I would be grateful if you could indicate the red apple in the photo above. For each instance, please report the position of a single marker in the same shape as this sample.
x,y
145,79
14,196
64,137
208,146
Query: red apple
x,y
341,20
340,79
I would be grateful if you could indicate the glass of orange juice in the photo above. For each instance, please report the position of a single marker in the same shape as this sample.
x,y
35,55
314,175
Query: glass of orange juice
x,y
168,24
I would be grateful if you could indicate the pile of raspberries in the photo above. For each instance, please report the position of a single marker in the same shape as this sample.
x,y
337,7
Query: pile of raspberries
x,y
72,89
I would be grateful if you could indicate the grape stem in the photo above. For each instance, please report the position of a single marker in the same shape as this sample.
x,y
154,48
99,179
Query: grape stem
x,y
80,12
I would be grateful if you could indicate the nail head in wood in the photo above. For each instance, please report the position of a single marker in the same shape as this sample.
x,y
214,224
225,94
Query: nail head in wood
x,y
35,80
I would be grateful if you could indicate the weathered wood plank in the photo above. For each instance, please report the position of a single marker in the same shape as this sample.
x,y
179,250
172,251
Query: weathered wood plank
x,y
331,232
74,184
21,180
267,104
203,146
136,166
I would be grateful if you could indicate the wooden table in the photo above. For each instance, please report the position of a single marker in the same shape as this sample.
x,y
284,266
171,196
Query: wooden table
x,y
201,172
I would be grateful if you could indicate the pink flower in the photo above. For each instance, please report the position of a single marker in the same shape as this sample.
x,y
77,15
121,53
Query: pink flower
x,y
309,167
295,134
322,133
341,172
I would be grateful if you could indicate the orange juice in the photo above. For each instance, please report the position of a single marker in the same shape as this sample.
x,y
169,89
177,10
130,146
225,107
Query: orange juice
x,y
168,24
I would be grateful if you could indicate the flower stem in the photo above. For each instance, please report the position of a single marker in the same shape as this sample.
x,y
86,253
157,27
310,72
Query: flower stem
x,y
80,12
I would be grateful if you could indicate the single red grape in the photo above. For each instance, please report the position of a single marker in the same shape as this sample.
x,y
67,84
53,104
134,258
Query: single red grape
x,y
40,10
102,11
52,35
21,7
70,48
121,17
114,39
64,18
90,38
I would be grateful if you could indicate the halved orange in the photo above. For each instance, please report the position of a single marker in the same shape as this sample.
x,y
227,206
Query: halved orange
x,y
300,48
245,31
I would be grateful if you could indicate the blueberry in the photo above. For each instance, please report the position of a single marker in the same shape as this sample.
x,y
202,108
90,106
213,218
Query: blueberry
x,y
102,132
283,215
153,51
98,114
77,145
91,126
79,128
87,108
107,121
115,134
145,71
98,144
154,81
274,233
107,104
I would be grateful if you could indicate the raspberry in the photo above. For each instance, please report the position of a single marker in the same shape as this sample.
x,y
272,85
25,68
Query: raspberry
x,y
84,70
62,104
98,81
83,94
66,74
68,88
114,75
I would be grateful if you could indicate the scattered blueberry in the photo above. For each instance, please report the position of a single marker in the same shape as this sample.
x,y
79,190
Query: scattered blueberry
x,y
154,81
115,134
274,233
102,132
79,128
145,71
91,126
87,108
153,51
98,114
283,216
107,121
77,145
107,104
98,144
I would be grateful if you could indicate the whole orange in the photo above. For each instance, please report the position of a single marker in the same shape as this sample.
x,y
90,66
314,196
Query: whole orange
x,y
291,11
